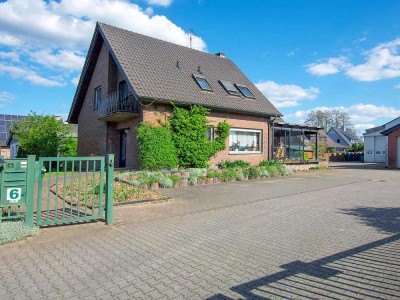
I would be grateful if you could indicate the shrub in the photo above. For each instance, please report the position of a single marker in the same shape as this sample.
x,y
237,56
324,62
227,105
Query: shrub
x,y
15,231
166,182
227,175
239,176
234,164
156,147
287,171
196,172
264,173
272,171
193,180
268,163
254,173
174,179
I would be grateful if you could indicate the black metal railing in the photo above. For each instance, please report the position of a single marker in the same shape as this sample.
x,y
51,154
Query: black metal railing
x,y
113,104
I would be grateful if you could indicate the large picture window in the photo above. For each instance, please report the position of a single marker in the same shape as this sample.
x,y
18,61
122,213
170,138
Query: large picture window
x,y
244,140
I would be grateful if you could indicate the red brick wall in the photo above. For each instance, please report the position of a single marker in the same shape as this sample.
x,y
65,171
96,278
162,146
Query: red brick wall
x,y
392,148
91,132
157,112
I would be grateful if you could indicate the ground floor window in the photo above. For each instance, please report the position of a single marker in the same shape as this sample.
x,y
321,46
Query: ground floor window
x,y
244,140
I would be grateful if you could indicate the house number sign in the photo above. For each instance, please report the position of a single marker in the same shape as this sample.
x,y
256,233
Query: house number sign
x,y
13,195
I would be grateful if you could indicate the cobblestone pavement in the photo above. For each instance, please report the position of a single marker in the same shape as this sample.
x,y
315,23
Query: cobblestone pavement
x,y
321,235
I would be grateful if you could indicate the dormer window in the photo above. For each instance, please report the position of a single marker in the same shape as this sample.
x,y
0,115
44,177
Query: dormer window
x,y
245,91
230,88
202,82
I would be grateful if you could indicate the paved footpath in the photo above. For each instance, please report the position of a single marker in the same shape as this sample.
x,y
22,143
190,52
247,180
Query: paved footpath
x,y
321,235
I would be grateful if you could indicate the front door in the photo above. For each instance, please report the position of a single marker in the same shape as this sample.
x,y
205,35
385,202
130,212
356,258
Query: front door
x,y
122,149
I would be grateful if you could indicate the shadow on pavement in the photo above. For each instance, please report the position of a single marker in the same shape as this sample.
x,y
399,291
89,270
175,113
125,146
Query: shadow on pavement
x,y
369,271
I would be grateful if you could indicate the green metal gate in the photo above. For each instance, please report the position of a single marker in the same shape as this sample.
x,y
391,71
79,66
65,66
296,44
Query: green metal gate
x,y
68,190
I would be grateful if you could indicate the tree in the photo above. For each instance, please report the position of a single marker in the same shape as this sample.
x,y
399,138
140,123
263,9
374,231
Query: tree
x,y
329,118
42,135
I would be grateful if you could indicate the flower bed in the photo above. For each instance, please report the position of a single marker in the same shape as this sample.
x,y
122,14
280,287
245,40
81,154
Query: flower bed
x,y
199,176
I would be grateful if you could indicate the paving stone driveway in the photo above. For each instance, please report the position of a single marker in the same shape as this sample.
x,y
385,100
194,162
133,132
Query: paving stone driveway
x,y
332,234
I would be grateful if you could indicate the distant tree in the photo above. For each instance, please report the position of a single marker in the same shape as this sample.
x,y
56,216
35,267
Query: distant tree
x,y
341,119
356,148
42,135
329,118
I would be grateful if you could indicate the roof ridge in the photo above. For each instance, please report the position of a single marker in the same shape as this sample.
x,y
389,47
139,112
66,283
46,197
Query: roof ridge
x,y
163,41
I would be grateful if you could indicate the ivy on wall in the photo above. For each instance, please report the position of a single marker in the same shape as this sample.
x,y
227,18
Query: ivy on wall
x,y
181,141
189,133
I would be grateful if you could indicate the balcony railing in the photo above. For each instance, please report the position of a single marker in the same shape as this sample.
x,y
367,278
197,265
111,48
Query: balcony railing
x,y
115,108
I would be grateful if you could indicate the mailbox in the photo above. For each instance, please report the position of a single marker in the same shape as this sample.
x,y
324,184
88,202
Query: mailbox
x,y
13,182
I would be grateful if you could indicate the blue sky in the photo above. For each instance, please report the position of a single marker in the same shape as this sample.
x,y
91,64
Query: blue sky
x,y
303,55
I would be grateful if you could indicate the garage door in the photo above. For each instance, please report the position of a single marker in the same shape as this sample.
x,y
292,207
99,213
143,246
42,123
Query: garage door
x,y
398,152
380,149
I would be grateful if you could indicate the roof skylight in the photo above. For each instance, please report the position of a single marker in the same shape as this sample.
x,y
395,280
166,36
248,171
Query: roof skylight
x,y
245,91
202,82
230,88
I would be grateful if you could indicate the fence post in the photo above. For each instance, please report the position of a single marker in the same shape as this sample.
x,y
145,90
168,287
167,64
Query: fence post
x,y
30,190
110,188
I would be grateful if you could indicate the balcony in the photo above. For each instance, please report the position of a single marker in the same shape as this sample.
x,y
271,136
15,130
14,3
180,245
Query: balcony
x,y
116,109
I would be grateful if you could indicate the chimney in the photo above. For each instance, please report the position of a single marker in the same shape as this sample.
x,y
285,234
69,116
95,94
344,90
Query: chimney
x,y
220,54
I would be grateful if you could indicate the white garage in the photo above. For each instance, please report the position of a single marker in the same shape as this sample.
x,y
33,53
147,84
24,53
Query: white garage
x,y
376,144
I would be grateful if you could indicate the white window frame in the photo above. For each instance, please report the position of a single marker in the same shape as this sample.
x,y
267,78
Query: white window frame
x,y
241,152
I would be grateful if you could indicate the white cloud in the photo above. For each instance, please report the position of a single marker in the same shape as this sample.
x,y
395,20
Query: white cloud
x,y
291,53
62,59
362,115
9,40
331,66
164,3
286,95
75,80
56,34
9,55
397,86
360,40
29,75
381,62
5,97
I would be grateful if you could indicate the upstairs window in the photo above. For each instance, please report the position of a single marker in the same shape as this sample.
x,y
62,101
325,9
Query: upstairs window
x,y
123,91
245,91
203,83
97,97
230,88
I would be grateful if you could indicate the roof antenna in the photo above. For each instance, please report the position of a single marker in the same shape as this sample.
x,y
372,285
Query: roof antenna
x,y
190,37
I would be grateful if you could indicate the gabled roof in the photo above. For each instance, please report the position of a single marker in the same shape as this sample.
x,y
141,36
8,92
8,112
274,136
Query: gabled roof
x,y
163,71
391,129
347,136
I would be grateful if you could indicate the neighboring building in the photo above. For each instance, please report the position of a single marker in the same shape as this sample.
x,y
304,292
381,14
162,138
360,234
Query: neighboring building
x,y
6,122
376,144
343,137
392,132
129,78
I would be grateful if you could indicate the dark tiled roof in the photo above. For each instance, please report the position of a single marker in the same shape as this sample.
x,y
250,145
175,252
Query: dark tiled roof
x,y
160,70
6,122
391,129
347,136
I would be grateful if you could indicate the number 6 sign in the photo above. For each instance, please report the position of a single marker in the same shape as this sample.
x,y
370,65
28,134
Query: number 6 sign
x,y
13,195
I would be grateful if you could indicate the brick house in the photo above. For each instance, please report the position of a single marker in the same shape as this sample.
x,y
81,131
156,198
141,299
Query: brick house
x,y
393,150
129,78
